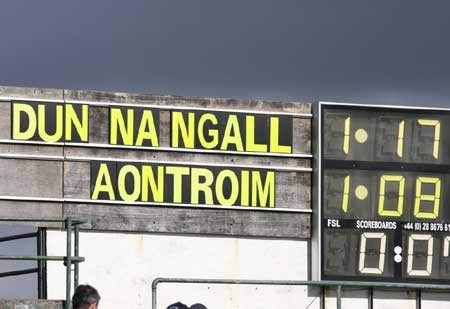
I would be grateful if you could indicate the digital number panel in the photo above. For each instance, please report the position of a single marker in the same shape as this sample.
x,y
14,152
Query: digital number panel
x,y
386,135
385,204
386,195
382,254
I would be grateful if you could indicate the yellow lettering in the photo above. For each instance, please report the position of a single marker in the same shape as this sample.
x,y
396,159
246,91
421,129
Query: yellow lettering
x,y
232,134
81,126
147,122
274,137
177,172
103,176
245,185
121,181
28,110
59,124
263,194
148,179
250,144
179,126
118,123
234,187
205,186
214,133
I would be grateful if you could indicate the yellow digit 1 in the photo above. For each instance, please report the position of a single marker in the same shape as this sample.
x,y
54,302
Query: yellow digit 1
x,y
401,192
345,195
437,133
401,133
346,135
427,197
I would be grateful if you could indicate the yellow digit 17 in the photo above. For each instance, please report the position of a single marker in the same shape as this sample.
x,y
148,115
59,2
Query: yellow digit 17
x,y
437,133
423,122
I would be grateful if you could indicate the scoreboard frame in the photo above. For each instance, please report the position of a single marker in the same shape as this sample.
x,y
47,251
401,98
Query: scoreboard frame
x,y
317,239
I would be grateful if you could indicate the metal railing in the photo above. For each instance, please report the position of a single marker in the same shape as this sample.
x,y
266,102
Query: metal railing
x,y
70,224
22,271
323,284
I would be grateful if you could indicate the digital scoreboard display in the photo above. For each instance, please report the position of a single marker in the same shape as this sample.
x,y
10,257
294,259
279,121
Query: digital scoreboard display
x,y
384,194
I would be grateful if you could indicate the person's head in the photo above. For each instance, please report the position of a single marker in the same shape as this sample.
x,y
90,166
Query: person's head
x,y
85,297
198,306
178,305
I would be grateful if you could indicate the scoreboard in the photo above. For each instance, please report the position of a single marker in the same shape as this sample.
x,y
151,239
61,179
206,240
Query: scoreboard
x,y
383,195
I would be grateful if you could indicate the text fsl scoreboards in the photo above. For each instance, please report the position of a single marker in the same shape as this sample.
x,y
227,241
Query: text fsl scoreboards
x,y
385,194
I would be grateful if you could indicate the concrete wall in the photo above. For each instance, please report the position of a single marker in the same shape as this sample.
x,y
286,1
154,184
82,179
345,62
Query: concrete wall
x,y
123,265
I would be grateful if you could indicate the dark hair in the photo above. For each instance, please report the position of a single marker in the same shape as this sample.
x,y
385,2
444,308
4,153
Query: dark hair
x,y
198,306
85,295
178,305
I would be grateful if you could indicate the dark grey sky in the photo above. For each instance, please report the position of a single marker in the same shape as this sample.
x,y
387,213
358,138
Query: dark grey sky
x,y
368,51
383,51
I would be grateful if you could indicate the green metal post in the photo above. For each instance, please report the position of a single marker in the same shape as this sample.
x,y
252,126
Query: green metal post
x,y
418,299
322,297
68,261
338,296
323,284
77,253
370,298
40,258
153,296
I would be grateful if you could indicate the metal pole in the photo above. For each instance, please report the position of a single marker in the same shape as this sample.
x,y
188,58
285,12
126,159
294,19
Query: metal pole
x,y
77,253
370,298
68,261
16,219
19,272
338,296
41,258
322,297
325,283
154,296
19,236
418,299
322,284
40,264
